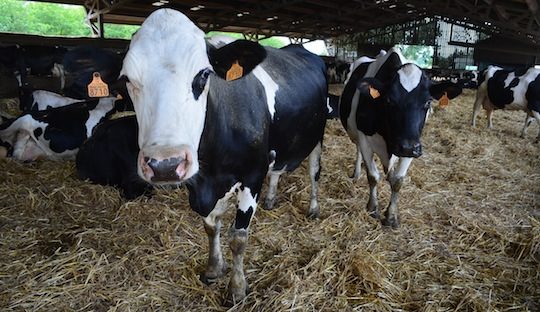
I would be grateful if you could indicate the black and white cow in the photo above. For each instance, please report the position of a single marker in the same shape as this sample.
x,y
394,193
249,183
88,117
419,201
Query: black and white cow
x,y
109,157
509,90
31,99
221,137
55,133
383,108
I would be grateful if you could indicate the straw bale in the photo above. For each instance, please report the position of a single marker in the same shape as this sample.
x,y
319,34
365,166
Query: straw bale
x,y
469,239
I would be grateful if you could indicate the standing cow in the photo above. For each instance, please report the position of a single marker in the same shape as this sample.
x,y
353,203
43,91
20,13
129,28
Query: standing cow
x,y
383,108
509,90
217,136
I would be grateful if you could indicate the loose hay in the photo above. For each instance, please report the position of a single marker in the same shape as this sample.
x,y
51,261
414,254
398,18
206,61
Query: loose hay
x,y
469,239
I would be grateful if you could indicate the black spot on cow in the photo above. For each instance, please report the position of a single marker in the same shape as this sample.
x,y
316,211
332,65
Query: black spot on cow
x,y
38,132
199,82
498,94
242,218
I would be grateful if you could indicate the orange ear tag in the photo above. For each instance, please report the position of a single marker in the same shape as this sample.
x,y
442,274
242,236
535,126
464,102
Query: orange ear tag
x,y
374,92
236,71
444,101
97,88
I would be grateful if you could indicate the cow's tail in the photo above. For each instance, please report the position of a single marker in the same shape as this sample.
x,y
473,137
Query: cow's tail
x,y
332,106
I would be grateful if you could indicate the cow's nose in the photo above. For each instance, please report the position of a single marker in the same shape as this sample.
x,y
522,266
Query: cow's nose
x,y
166,170
410,149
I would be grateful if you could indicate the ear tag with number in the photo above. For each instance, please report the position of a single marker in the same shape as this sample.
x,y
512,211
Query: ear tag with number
x,y
236,71
374,92
97,88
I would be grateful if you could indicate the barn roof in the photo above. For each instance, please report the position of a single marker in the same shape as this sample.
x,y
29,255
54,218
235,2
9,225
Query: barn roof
x,y
323,19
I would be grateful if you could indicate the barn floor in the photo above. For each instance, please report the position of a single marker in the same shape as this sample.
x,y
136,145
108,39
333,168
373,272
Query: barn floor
x,y
469,239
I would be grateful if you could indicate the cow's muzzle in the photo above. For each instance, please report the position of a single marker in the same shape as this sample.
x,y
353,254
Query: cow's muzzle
x,y
168,169
408,149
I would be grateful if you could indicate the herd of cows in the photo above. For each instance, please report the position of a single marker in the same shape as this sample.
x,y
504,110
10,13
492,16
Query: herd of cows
x,y
221,115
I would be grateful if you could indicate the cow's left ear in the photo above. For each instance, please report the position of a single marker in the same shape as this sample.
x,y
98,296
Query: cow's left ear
x,y
236,59
451,89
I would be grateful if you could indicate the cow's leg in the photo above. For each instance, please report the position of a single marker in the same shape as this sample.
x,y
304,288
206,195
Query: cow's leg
x,y
528,120
489,115
247,205
358,164
476,108
216,266
314,175
536,116
273,179
373,176
395,177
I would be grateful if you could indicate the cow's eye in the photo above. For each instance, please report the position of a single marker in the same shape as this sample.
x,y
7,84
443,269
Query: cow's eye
x,y
199,82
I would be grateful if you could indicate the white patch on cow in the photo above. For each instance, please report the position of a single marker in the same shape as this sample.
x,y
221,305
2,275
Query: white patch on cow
x,y
44,99
355,64
270,88
221,206
164,56
409,76
218,41
374,67
104,106
247,200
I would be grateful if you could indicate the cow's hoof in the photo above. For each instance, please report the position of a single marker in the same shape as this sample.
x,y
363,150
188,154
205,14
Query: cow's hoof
x,y
314,213
212,276
269,203
391,222
236,293
374,213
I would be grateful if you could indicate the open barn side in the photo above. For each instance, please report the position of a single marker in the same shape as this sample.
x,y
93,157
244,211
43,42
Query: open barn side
x,y
469,239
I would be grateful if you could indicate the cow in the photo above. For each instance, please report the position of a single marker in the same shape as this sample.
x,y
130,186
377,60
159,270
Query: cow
x,y
109,157
31,99
220,137
55,133
383,108
509,90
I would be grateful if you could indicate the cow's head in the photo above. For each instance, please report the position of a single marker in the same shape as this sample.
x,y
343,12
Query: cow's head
x,y
406,97
168,70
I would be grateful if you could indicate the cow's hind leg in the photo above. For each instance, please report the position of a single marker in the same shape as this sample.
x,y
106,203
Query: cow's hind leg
x,y
357,164
528,120
247,205
314,175
489,115
216,266
271,194
395,177
476,108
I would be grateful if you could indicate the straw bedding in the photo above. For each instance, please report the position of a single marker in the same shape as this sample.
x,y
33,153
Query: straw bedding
x,y
469,239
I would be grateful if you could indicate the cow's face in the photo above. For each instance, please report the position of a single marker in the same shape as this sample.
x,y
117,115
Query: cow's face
x,y
167,70
407,102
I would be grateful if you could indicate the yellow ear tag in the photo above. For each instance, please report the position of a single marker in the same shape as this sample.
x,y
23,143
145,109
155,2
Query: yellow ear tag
x,y
374,92
444,101
236,71
97,88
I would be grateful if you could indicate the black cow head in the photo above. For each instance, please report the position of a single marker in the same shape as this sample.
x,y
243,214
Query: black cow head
x,y
405,100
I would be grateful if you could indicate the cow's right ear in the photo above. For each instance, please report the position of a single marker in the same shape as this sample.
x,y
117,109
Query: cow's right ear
x,y
236,59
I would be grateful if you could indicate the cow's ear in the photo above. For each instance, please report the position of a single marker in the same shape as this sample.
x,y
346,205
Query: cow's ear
x,y
370,86
236,59
451,89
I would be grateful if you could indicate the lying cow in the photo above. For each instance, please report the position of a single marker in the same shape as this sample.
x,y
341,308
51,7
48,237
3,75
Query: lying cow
x,y
510,90
109,157
31,99
215,136
383,108
55,133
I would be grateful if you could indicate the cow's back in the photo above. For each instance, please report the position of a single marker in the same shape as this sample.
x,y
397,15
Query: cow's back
x,y
300,103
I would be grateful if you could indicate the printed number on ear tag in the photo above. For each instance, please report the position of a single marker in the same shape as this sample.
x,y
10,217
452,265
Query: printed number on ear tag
x,y
97,88
444,100
236,71
374,92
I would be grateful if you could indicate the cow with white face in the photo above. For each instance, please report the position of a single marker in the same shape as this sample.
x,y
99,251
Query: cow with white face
x,y
220,136
383,108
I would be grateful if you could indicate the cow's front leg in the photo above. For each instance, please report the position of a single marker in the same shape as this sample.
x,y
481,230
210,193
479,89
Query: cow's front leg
x,y
373,177
216,266
247,204
357,164
395,178
489,115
